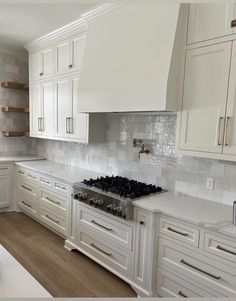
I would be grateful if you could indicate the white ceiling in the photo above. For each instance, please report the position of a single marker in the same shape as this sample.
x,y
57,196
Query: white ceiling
x,y
21,23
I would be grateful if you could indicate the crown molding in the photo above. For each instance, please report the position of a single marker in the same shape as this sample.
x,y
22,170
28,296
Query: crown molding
x,y
76,27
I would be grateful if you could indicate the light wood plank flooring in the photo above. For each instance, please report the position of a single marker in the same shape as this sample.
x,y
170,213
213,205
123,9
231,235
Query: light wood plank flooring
x,y
62,273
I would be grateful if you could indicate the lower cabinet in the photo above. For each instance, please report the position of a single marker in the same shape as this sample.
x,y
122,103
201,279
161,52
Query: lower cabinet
x,y
43,198
5,185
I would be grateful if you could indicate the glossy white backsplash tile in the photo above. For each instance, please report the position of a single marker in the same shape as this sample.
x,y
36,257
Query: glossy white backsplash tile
x,y
13,69
161,167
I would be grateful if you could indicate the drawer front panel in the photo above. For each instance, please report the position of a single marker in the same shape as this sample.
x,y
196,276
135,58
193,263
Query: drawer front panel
x,y
27,189
45,181
171,285
106,253
220,247
53,201
197,267
110,229
182,232
5,169
61,188
32,176
27,205
53,220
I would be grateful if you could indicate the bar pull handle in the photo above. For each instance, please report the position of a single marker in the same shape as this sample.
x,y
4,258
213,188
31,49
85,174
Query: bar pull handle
x,y
219,128
226,131
182,294
199,269
51,219
225,250
177,232
26,188
27,205
96,223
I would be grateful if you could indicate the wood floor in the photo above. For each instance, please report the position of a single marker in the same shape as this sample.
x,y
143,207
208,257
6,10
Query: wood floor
x,y
62,273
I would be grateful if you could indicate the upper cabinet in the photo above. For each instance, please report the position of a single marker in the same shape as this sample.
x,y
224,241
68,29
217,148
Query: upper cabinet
x,y
209,21
69,54
205,97
41,63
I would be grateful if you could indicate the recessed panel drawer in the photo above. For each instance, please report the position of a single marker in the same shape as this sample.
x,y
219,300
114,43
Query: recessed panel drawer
x,y
53,220
170,284
110,229
27,205
27,189
5,169
197,267
45,181
104,252
220,247
61,188
21,173
32,176
53,201
179,231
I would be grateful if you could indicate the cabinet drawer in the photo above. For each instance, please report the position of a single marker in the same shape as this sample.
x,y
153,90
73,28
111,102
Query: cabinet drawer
x,y
21,173
197,267
27,205
110,229
170,284
5,169
32,176
53,220
53,201
220,247
61,188
105,253
45,181
182,232
27,189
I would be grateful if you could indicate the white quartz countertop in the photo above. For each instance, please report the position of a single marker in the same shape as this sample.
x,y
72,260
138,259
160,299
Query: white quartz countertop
x,y
63,172
208,214
19,158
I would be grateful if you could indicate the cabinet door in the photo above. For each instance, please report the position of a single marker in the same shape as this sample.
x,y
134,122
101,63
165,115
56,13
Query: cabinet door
x,y
63,57
209,20
204,98
47,61
47,108
141,248
35,110
35,65
230,124
79,121
77,50
5,188
63,107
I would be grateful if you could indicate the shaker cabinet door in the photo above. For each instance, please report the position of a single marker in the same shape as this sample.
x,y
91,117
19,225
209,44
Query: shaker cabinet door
x,y
35,110
77,50
35,65
63,57
205,97
5,188
63,107
47,108
47,62
209,20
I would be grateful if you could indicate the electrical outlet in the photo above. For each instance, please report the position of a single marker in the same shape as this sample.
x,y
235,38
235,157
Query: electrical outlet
x,y
210,183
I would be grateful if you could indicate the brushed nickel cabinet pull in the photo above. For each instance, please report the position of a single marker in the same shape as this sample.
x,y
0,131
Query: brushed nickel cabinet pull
x,y
45,181
199,269
51,219
70,125
52,201
226,131
3,168
233,23
21,172
42,124
39,124
61,187
67,125
70,66
26,188
27,205
219,128
182,294
176,231
225,250
95,247
33,177
94,222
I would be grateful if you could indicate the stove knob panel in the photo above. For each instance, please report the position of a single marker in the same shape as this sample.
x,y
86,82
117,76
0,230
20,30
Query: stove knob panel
x,y
92,200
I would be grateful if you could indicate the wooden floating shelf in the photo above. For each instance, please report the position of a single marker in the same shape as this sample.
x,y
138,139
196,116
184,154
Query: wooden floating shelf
x,y
14,134
13,85
14,109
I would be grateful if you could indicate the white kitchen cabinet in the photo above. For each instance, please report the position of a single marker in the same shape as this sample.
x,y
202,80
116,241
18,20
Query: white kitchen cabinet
x,y
41,63
69,54
142,273
42,109
205,97
209,20
5,188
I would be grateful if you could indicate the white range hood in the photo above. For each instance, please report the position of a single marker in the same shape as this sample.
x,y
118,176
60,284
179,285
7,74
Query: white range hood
x,y
133,59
